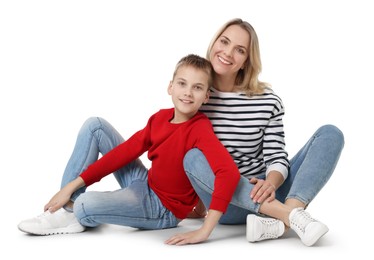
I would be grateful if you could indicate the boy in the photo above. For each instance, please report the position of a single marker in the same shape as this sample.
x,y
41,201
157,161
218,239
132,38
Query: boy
x,y
155,198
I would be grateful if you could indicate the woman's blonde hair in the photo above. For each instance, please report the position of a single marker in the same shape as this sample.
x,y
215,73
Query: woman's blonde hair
x,y
247,78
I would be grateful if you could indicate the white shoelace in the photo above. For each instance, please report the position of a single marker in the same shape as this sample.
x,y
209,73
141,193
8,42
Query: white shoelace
x,y
271,228
301,219
44,214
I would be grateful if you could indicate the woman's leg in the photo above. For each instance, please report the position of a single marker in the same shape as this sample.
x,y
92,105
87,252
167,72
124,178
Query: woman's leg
x,y
202,179
134,206
310,170
312,167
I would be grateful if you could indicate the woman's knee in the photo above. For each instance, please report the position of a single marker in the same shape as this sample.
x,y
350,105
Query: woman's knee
x,y
333,133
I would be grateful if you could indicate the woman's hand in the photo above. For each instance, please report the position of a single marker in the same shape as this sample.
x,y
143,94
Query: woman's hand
x,y
263,190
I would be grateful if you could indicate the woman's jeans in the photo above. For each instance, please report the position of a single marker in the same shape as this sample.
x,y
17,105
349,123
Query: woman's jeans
x,y
134,204
310,169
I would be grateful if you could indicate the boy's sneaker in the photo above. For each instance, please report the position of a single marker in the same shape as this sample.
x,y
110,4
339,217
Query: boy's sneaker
x,y
259,228
59,222
306,227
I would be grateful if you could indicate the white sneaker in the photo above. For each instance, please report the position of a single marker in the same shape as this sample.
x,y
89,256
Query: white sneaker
x,y
59,222
306,227
259,228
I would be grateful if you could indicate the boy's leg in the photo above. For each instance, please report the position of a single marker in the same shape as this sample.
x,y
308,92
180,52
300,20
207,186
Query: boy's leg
x,y
136,206
95,137
202,179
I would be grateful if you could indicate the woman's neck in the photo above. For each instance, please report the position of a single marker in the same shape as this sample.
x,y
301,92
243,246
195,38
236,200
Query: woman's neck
x,y
224,84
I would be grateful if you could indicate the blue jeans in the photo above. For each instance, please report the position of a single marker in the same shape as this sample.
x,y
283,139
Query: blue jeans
x,y
310,169
134,204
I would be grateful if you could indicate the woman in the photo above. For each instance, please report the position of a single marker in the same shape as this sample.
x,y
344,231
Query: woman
x,y
247,118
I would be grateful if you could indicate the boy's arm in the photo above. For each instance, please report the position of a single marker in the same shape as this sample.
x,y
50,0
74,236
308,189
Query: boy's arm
x,y
63,196
199,211
200,234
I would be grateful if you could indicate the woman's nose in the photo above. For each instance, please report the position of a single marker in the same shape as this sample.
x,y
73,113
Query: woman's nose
x,y
228,51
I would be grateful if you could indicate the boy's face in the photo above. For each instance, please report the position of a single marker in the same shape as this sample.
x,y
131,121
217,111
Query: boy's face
x,y
188,90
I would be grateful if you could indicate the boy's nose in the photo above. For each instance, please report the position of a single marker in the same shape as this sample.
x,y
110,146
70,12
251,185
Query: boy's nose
x,y
188,92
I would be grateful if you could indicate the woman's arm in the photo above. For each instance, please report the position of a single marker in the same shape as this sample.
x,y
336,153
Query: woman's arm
x,y
278,163
265,189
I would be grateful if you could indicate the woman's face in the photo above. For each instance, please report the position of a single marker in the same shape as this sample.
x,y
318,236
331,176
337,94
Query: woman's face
x,y
230,51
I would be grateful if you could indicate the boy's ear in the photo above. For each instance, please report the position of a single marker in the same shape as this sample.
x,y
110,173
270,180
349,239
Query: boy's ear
x,y
170,86
206,97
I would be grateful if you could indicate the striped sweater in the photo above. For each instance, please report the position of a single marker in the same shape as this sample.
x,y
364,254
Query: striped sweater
x,y
251,128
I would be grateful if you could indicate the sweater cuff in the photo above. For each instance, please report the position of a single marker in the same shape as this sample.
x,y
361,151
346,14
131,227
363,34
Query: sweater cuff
x,y
85,179
219,204
279,168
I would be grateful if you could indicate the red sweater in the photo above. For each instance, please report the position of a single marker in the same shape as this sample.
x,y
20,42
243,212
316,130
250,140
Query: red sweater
x,y
167,145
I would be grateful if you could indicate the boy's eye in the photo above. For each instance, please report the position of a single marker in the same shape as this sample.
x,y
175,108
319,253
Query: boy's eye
x,y
181,83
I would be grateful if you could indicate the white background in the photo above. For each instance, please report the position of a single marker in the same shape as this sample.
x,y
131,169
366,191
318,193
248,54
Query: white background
x,y
64,61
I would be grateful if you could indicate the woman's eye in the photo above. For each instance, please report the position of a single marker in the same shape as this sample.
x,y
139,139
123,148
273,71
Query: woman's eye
x,y
224,41
240,50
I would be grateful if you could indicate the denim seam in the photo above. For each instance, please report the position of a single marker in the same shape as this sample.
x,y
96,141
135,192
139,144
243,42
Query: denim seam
x,y
210,191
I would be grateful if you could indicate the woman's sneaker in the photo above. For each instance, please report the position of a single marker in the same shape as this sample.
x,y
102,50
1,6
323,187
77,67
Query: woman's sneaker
x,y
59,222
306,227
259,228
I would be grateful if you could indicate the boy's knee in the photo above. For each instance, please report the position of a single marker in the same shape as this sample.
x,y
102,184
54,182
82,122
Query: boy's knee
x,y
92,123
80,206
191,158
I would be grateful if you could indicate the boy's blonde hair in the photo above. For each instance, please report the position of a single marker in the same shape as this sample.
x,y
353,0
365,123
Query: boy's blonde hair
x,y
196,62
